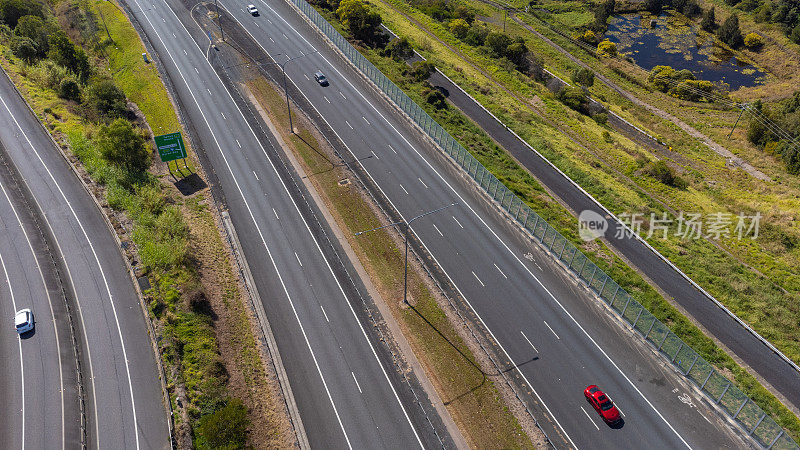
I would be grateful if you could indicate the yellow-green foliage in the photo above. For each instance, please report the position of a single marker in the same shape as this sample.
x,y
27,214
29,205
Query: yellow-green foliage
x,y
607,48
753,41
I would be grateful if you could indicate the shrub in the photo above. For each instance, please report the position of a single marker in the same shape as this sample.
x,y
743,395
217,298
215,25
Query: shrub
x,y
571,96
361,22
35,29
12,10
583,76
106,100
476,36
436,98
753,41
48,74
516,54
69,90
664,173
459,27
600,118
588,36
122,146
64,53
607,48
709,22
224,428
730,33
498,43
421,70
25,49
399,49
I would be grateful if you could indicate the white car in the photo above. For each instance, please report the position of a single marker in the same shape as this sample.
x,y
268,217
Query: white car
x,y
23,320
252,10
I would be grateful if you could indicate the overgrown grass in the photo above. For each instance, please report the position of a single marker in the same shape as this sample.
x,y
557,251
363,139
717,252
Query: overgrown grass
x,y
470,396
715,270
166,226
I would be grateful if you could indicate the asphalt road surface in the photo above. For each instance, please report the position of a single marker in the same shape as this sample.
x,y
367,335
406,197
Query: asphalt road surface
x,y
559,339
123,394
348,392
38,379
768,364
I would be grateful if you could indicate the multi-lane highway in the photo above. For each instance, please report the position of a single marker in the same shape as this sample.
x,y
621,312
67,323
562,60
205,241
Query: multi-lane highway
x,y
38,379
347,390
124,407
558,338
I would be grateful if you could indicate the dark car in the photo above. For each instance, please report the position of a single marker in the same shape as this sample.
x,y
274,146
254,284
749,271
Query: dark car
x,y
320,77
602,404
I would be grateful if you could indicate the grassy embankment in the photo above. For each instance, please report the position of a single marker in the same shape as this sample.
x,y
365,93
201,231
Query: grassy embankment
x,y
209,350
727,278
468,392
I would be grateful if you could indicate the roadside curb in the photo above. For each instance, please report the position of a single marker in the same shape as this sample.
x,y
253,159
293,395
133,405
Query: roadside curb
x,y
269,337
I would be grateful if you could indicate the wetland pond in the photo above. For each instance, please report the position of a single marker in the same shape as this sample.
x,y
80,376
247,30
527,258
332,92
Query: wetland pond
x,y
680,43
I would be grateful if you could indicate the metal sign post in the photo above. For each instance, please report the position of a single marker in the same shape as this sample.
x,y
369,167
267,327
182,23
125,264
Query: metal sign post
x,y
171,148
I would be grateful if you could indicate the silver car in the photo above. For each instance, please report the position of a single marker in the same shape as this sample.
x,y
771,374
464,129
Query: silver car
x,y
23,320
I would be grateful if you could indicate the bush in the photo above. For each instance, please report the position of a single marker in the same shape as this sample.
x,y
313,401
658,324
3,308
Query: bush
x,y
583,76
106,100
35,29
730,33
607,48
498,43
361,22
459,27
224,428
25,49
664,173
436,98
421,70
12,10
709,22
122,146
600,118
69,90
64,53
399,49
476,36
48,74
516,54
588,36
753,41
571,96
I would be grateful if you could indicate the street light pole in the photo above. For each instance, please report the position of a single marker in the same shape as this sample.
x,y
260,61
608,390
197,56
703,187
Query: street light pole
x,y
285,89
219,20
406,226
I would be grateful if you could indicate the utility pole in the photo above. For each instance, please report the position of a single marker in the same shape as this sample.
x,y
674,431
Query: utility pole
x,y
406,227
106,26
743,107
505,13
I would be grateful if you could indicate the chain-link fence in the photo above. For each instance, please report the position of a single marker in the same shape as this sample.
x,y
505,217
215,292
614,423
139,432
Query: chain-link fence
x,y
749,416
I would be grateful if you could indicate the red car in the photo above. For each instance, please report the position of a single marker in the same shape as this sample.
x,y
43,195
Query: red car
x,y
602,404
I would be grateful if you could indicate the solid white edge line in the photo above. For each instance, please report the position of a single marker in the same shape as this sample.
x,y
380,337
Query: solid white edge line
x,y
496,236
105,282
52,313
327,263
19,344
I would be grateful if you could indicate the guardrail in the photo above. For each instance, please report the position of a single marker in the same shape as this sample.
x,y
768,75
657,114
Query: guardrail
x,y
721,391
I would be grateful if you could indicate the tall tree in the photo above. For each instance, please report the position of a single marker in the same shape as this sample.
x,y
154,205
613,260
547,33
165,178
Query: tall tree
x,y
709,22
730,33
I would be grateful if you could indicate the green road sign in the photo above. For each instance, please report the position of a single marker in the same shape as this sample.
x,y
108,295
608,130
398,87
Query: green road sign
x,y
170,146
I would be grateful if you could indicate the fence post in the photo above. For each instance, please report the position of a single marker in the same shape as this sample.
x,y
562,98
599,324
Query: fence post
x,y
622,313
525,222
553,242
663,340
740,408
707,378
651,328
763,415
723,392
637,317
696,357
775,440
535,224
593,273
678,352
585,260
614,297
562,252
